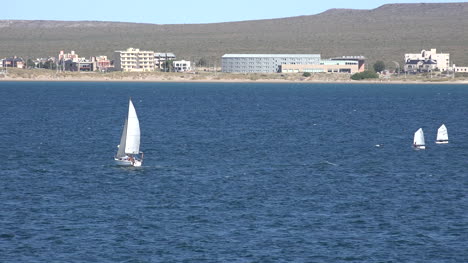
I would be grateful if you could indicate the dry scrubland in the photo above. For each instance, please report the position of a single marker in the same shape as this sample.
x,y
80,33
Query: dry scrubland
x,y
50,75
385,33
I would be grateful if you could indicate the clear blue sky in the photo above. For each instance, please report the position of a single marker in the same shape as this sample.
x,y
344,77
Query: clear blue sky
x,y
177,11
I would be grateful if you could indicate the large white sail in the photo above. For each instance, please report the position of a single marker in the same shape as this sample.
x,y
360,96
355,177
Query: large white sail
x,y
132,143
442,135
419,138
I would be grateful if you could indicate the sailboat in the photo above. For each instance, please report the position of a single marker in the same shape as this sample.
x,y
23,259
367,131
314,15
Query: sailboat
x,y
442,135
129,148
418,142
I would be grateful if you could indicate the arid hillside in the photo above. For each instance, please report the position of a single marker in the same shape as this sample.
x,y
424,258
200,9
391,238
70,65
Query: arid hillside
x,y
383,33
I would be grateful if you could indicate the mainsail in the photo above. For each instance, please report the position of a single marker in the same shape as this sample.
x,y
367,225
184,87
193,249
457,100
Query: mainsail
x,y
130,140
419,138
132,144
442,134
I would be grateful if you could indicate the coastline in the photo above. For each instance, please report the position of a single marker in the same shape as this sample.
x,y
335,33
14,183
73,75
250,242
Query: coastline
x,y
214,77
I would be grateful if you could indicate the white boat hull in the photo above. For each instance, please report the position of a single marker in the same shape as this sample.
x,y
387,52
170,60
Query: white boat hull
x,y
126,162
441,142
419,147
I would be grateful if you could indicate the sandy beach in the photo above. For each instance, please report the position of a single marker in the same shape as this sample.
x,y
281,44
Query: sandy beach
x,y
49,75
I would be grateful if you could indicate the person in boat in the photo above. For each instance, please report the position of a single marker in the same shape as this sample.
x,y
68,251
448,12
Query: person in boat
x,y
131,159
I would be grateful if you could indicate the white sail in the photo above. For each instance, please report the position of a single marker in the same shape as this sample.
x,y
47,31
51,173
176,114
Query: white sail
x,y
132,143
123,139
442,135
419,139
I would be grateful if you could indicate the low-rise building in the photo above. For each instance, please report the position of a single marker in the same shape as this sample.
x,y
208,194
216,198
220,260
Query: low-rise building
x,y
361,61
80,64
134,60
333,65
264,63
459,69
415,66
181,66
72,62
161,58
14,62
102,63
427,60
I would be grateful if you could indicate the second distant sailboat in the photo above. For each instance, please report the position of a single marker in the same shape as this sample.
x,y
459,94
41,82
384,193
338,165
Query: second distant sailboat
x,y
442,135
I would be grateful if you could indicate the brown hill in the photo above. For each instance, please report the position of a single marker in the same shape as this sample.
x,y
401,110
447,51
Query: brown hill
x,y
383,33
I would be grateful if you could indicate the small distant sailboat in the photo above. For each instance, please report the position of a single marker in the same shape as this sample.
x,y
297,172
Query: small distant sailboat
x,y
129,147
418,142
442,135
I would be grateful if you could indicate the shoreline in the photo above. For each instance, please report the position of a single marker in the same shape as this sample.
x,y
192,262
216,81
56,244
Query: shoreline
x,y
215,77
264,81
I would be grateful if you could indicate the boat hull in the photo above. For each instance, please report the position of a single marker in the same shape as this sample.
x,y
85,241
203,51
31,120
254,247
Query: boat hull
x,y
419,147
441,142
135,163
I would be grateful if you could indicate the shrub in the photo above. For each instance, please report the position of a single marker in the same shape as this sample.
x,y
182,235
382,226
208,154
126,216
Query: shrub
x,y
364,75
306,74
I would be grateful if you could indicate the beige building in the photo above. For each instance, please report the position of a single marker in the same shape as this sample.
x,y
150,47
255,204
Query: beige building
x,y
416,61
335,65
134,60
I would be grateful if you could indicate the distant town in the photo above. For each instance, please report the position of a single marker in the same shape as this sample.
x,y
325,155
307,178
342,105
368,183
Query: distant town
x,y
136,60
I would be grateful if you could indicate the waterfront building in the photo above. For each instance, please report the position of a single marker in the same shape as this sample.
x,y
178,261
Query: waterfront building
x,y
459,69
181,66
67,56
14,62
161,58
427,60
334,65
361,60
134,60
73,62
264,63
80,64
102,63
416,65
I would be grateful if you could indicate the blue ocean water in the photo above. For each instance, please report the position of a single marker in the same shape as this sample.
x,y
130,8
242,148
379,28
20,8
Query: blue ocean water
x,y
233,173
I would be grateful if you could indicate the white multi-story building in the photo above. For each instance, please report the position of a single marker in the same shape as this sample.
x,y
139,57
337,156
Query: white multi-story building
x,y
161,58
427,60
264,63
181,66
134,60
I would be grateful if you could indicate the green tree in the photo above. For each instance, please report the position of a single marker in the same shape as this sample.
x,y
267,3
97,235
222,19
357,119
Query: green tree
x,y
50,65
167,66
202,62
30,63
379,66
306,74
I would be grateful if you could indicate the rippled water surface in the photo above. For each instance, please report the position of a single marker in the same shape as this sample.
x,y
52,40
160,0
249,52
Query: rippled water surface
x,y
233,173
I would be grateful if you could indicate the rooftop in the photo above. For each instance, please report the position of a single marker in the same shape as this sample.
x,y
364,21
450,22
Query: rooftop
x,y
271,56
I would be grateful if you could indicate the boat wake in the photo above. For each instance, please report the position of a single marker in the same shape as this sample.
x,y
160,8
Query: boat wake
x,y
330,163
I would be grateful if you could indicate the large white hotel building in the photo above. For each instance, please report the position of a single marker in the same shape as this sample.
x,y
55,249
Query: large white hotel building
x,y
134,60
